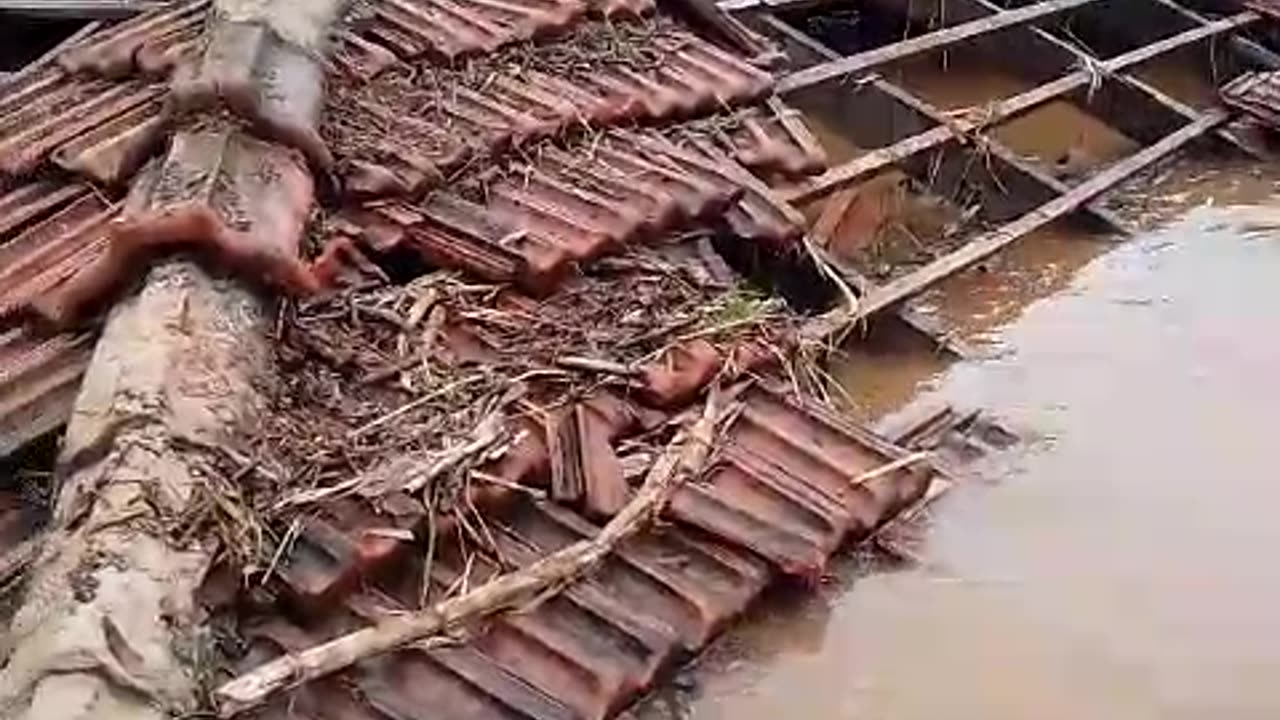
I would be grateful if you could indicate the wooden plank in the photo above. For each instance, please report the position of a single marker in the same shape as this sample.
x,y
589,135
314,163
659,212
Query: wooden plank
x,y
794,34
984,246
1005,155
1173,105
877,160
925,43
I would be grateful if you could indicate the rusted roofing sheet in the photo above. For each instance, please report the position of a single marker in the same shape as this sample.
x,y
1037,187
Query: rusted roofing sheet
x,y
779,500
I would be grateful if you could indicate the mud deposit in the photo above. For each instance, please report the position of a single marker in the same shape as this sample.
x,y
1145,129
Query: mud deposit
x,y
1115,566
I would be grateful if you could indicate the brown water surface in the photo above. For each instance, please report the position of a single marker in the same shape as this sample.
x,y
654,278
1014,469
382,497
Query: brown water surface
x,y
1117,565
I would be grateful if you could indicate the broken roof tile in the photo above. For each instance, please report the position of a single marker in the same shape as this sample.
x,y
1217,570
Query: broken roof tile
x,y
402,123
111,152
448,29
60,113
241,202
593,646
39,379
777,142
113,52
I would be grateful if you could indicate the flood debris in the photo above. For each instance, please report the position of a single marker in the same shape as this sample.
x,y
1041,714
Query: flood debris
x,y
491,379
681,461
1256,95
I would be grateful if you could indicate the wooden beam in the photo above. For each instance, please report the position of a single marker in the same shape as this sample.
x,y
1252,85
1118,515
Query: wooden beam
x,y
1246,47
1173,105
741,5
833,212
894,292
794,34
877,160
1049,184
864,61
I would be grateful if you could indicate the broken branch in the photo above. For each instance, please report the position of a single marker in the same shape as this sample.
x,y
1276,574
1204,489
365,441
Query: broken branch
x,y
684,458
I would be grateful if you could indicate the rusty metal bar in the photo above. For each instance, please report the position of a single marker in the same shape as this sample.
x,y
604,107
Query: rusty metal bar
x,y
896,291
925,43
877,160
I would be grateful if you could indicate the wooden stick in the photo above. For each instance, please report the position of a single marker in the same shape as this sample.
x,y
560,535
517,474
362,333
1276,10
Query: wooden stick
x,y
893,466
486,433
683,459
924,43
608,367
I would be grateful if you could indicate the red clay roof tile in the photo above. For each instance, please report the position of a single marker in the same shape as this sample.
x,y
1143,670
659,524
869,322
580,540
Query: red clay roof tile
x,y
39,379
781,499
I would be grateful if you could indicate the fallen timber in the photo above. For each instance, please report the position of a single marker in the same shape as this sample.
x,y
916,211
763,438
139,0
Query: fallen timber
x,y
787,486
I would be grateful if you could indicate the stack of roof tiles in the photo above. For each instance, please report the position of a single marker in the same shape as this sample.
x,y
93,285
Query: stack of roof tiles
x,y
422,95
511,141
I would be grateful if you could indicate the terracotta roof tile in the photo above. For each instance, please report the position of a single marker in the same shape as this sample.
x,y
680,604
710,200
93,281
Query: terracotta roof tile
x,y
138,43
419,125
779,501
45,254
1255,93
447,29
39,379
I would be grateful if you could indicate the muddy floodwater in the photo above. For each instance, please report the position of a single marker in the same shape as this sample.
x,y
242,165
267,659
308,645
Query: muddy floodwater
x,y
1119,563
